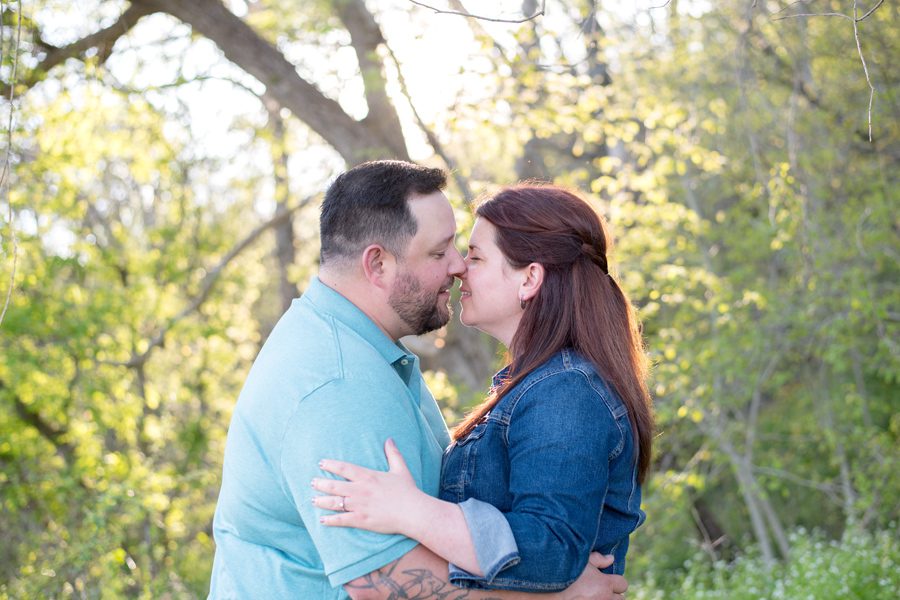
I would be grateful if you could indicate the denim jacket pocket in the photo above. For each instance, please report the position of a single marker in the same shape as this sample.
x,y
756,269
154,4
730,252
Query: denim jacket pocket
x,y
458,464
475,434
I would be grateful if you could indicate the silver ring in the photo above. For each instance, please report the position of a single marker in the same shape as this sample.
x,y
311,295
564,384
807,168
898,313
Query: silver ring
x,y
342,508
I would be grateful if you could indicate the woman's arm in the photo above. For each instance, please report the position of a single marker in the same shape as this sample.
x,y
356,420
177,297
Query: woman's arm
x,y
560,437
390,502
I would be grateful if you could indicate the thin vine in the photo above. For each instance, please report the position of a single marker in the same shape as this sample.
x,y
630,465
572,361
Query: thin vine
x,y
855,19
5,172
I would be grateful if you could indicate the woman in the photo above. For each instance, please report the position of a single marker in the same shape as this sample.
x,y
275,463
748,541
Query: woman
x,y
562,442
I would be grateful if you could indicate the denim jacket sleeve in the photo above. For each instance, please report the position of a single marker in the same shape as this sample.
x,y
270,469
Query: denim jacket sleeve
x,y
495,546
561,437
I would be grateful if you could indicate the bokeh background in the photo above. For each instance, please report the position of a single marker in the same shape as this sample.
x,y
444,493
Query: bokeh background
x,y
163,162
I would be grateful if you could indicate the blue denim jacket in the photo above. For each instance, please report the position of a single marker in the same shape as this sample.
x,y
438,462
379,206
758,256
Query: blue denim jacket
x,y
556,456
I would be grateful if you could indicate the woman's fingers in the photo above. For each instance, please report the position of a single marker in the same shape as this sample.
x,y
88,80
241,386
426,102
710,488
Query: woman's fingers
x,y
333,487
601,561
343,469
335,503
396,463
352,472
341,519
343,515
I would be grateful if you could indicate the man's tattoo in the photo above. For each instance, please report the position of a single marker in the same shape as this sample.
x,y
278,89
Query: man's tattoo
x,y
413,584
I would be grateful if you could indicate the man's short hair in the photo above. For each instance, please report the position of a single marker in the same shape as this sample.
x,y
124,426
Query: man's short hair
x,y
367,205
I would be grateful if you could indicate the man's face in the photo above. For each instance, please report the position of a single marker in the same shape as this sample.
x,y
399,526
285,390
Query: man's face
x,y
421,292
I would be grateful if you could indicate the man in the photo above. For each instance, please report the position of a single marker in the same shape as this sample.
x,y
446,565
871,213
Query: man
x,y
333,380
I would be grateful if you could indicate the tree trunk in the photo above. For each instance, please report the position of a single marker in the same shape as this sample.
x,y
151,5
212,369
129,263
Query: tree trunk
x,y
774,523
284,232
709,527
749,492
848,493
365,37
355,141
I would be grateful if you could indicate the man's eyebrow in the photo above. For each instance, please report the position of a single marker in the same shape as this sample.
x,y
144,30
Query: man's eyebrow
x,y
473,247
445,241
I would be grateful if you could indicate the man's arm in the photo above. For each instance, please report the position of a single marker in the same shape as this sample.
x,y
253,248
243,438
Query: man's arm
x,y
422,575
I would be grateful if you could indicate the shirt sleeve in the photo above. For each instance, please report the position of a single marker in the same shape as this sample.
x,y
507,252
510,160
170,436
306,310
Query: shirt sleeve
x,y
560,438
348,421
495,545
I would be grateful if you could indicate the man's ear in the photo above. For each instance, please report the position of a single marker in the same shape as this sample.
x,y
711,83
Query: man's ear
x,y
379,265
534,278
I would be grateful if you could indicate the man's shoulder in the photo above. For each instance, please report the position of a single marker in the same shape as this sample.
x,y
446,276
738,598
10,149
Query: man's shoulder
x,y
313,352
309,337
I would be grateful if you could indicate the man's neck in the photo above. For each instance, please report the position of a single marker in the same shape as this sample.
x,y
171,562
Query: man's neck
x,y
361,294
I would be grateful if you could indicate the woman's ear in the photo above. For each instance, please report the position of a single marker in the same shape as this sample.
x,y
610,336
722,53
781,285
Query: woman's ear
x,y
379,265
534,278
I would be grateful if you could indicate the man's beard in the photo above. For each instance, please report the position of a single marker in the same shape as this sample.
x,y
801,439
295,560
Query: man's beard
x,y
418,308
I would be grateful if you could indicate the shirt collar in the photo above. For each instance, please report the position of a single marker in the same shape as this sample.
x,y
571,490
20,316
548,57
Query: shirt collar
x,y
500,377
330,302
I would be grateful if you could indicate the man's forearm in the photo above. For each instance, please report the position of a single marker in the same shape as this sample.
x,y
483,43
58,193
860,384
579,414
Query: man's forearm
x,y
422,575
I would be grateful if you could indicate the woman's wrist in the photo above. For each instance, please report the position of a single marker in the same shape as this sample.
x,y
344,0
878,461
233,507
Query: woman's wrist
x,y
423,513
441,527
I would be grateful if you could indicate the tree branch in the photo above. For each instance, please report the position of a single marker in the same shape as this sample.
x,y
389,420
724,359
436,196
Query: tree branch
x,y
4,174
463,13
862,58
431,136
478,30
756,401
825,488
103,41
355,141
828,14
855,19
209,281
770,50
47,431
366,37
873,9
284,233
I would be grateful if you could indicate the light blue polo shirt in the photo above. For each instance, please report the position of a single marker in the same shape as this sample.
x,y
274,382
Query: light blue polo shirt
x,y
328,383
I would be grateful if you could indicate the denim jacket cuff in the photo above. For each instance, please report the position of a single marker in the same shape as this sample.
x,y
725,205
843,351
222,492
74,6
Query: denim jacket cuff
x,y
495,546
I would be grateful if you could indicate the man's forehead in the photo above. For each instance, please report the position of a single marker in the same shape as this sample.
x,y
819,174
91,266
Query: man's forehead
x,y
436,198
434,216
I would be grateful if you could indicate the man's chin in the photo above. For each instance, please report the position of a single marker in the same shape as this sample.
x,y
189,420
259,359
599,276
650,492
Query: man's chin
x,y
446,313
439,319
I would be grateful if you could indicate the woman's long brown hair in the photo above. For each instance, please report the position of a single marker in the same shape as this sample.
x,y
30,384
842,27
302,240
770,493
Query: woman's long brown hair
x,y
579,304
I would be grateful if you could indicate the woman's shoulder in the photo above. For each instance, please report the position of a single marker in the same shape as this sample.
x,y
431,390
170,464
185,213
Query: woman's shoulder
x,y
566,375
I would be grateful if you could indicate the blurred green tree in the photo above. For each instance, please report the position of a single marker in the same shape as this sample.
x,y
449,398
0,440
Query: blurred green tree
x,y
756,224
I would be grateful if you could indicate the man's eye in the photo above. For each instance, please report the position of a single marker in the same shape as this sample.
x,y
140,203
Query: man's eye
x,y
439,254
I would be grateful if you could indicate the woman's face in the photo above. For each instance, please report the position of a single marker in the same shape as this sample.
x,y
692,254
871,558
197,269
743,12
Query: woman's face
x,y
490,286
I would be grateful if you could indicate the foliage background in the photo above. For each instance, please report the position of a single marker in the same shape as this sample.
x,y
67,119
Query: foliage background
x,y
160,204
